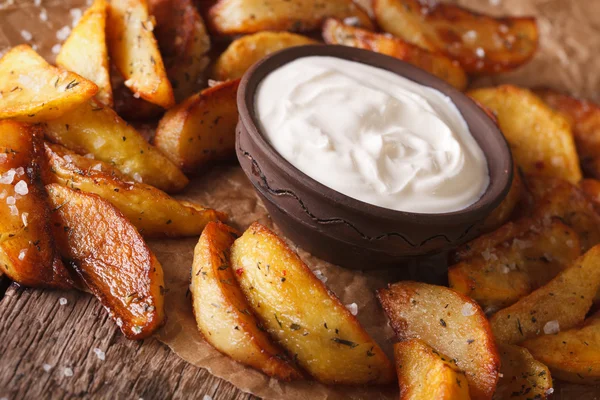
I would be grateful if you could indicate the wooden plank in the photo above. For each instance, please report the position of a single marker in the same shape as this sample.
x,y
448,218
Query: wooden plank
x,y
40,339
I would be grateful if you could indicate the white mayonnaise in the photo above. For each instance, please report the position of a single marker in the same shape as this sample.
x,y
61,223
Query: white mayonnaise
x,y
372,135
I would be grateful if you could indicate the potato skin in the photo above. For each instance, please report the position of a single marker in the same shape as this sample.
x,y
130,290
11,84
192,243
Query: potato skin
x,y
523,377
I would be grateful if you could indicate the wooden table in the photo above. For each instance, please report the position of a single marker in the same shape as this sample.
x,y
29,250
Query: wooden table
x,y
42,341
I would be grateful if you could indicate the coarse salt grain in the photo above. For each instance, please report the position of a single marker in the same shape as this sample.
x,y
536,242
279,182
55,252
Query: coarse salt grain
x,y
10,200
503,28
137,177
37,3
22,254
21,188
212,82
97,167
495,2
504,269
68,372
136,95
488,255
24,218
56,48
353,308
352,21
76,14
8,177
3,158
468,310
207,397
551,327
47,367
44,15
100,354
129,82
90,156
549,391
62,301
480,52
3,194
26,35
469,36
20,171
13,210
63,32
99,142
320,276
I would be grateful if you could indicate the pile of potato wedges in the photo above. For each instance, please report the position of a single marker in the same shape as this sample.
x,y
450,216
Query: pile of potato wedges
x,y
81,188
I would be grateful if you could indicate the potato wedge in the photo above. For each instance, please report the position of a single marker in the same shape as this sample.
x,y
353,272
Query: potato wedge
x,y
85,53
134,51
98,130
523,377
564,301
200,129
591,188
132,108
505,210
336,32
153,212
184,44
451,323
571,355
32,90
28,255
584,117
235,17
481,44
305,318
540,139
222,312
245,51
425,374
111,258
502,274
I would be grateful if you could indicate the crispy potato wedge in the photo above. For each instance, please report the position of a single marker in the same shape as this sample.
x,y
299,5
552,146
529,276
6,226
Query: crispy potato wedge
x,y
504,211
336,32
222,312
481,44
571,355
32,90
85,53
307,319
111,258
235,17
28,255
523,378
134,51
98,130
153,212
200,129
183,42
425,374
245,51
564,300
451,323
540,139
501,275
584,117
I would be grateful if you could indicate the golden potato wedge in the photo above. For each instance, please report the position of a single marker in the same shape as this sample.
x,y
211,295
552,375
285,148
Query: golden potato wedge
x,y
85,53
336,32
184,44
110,256
451,323
540,139
562,302
153,212
481,44
200,129
523,377
425,374
245,51
98,130
298,310
32,90
505,210
571,355
28,255
134,51
501,275
235,17
222,312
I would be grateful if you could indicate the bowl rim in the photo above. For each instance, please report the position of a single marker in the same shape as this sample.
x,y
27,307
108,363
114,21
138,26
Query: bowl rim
x,y
496,191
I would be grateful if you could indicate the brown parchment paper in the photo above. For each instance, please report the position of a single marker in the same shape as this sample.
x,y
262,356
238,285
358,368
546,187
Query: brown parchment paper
x,y
568,59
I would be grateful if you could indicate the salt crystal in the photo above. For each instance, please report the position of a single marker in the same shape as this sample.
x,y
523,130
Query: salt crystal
x,y
500,375
47,367
37,3
56,48
63,32
207,397
24,218
21,188
20,171
488,255
320,276
62,301
26,35
549,391
90,156
551,327
137,177
22,254
352,21
557,161
495,2
68,372
136,95
97,167
212,82
129,82
13,210
76,14
43,15
3,194
68,158
503,28
99,142
353,308
480,52
8,177
100,354
504,269
3,158
469,36
10,200
468,310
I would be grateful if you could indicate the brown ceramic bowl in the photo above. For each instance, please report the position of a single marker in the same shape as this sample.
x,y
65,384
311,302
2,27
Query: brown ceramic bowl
x,y
346,231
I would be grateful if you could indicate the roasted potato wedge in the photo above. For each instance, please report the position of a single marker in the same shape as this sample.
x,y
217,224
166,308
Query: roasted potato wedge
x,y
222,312
505,210
308,320
32,90
584,117
200,129
563,302
245,51
235,17
336,32
85,53
540,139
425,374
153,212
501,275
134,51
451,323
184,44
523,377
571,355
481,44
28,255
110,256
98,130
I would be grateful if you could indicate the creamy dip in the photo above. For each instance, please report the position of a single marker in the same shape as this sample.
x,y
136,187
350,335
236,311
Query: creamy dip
x,y
372,135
